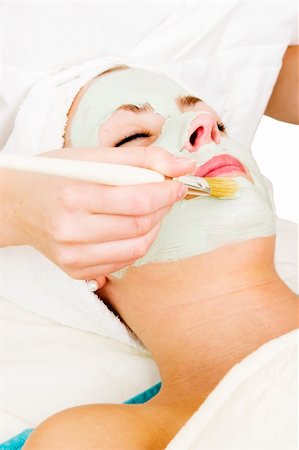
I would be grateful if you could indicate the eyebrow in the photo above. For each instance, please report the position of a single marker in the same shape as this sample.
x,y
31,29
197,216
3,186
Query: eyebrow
x,y
186,100
135,108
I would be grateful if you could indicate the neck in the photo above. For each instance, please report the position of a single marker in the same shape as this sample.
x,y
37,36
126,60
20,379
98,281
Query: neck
x,y
216,309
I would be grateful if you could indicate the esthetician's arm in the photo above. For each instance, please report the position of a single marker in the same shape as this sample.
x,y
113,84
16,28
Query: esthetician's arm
x,y
89,230
284,102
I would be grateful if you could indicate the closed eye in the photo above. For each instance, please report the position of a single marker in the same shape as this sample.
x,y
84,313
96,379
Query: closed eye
x,y
132,137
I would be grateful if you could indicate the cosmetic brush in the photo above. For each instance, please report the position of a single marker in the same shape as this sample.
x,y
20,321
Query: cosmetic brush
x,y
220,187
116,174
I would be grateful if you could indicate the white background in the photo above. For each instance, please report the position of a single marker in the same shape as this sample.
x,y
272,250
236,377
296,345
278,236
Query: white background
x,y
276,150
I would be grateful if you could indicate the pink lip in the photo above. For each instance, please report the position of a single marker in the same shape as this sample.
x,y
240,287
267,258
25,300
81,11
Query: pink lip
x,y
220,165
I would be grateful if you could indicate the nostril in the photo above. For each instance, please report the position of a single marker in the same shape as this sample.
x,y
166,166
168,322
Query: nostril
x,y
195,134
193,137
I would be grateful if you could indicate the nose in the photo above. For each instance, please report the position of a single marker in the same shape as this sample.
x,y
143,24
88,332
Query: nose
x,y
203,130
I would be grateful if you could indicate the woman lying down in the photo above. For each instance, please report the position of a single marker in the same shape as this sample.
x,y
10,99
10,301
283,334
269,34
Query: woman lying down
x,y
205,300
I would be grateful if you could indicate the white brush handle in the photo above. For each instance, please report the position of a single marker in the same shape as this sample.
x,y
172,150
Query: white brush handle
x,y
95,172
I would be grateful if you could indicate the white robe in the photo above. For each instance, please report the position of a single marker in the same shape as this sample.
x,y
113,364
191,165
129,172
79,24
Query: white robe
x,y
254,407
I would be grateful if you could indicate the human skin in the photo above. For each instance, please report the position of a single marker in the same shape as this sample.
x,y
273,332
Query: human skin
x,y
284,101
86,229
197,317
195,330
45,229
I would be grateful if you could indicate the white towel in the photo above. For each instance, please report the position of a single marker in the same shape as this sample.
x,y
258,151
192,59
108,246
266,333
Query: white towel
x,y
41,119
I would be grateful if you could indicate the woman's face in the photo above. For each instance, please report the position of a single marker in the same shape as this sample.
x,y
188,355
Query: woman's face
x,y
135,107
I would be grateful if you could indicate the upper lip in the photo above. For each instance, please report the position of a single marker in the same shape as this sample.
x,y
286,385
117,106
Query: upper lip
x,y
216,163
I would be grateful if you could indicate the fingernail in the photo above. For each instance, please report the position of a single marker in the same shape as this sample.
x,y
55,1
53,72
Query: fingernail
x,y
183,191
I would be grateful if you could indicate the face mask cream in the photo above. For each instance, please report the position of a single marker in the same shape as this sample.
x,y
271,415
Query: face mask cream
x,y
193,226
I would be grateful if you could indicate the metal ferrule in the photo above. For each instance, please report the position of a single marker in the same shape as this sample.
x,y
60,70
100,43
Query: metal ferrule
x,y
196,185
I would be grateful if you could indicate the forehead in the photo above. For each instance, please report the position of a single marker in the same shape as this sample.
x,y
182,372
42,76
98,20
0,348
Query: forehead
x,y
110,91
134,86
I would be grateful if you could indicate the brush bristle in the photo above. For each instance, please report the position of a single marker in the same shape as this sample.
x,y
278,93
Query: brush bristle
x,y
222,187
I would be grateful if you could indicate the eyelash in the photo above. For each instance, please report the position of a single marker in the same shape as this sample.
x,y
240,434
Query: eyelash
x,y
126,139
220,126
144,134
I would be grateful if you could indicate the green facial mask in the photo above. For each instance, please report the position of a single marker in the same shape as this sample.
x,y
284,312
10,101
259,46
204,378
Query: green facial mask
x,y
193,226
112,90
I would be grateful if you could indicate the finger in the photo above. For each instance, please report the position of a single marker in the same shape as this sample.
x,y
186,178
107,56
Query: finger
x,y
154,158
96,228
101,280
123,200
150,157
76,258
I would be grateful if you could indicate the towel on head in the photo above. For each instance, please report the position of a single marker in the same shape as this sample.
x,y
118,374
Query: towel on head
x,y
41,119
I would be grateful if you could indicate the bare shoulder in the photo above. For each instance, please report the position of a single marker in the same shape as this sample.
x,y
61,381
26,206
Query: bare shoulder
x,y
284,102
99,427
